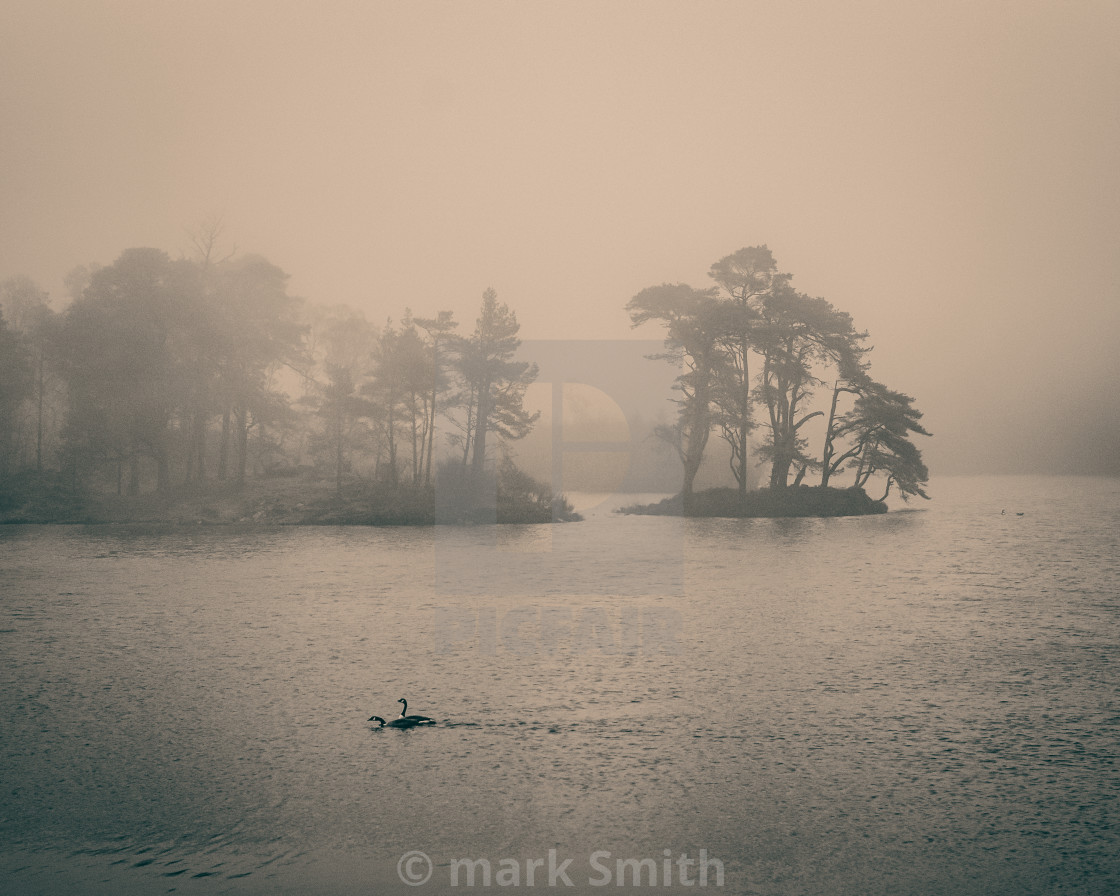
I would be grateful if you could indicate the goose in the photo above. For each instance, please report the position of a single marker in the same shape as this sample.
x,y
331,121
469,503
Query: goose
x,y
396,723
416,720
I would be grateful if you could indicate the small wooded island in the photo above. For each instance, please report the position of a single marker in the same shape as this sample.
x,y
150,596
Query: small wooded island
x,y
199,391
751,347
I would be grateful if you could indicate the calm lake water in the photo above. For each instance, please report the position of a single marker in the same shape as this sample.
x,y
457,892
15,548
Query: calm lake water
x,y
922,702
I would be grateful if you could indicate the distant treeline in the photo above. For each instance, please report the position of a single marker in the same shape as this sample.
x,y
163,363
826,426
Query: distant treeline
x,y
163,373
753,351
167,374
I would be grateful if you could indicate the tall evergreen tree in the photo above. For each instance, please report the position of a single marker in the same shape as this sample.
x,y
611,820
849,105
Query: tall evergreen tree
x,y
493,383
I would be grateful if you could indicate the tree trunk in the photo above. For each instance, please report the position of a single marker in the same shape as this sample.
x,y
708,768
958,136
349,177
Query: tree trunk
x,y
699,425
890,481
416,459
783,459
190,441
163,474
338,449
779,473
431,437
242,444
696,442
480,427
691,468
223,447
432,414
39,422
468,432
200,444
392,446
134,475
744,422
742,477
827,452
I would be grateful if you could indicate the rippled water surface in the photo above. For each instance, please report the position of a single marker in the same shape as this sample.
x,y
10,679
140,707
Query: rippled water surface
x,y
922,702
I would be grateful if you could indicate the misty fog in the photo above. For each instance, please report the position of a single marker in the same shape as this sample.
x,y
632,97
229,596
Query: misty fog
x,y
946,174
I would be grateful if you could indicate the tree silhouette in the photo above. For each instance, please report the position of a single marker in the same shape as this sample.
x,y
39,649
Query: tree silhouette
x,y
492,383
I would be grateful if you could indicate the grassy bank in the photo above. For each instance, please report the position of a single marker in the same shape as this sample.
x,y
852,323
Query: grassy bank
x,y
291,501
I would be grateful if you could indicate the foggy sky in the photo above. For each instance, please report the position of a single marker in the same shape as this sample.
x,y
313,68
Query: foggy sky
x,y
947,173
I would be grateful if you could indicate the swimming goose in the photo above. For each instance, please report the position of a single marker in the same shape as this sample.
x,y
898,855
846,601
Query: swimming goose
x,y
416,720
396,723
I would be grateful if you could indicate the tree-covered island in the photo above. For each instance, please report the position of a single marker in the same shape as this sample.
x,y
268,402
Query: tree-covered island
x,y
199,391
753,352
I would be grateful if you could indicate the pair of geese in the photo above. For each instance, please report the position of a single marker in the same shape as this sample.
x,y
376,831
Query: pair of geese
x,y
404,720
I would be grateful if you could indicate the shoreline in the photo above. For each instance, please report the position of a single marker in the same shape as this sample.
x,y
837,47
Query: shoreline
x,y
283,502
795,501
273,503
